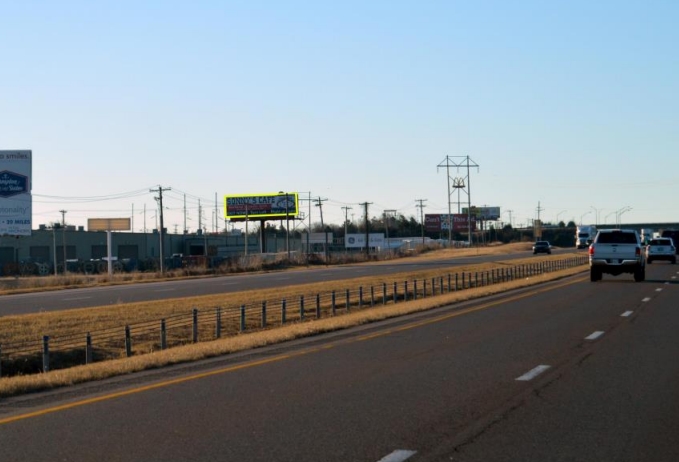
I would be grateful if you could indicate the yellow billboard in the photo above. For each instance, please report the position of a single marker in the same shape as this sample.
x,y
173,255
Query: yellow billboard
x,y
108,224
257,206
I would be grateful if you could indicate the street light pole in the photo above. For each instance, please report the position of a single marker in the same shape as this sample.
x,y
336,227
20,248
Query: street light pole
x,y
558,215
583,215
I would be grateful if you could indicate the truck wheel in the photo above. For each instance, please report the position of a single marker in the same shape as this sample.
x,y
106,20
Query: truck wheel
x,y
649,261
674,260
594,274
640,274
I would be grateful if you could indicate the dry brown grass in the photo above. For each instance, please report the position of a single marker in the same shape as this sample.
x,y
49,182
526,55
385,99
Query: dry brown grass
x,y
30,326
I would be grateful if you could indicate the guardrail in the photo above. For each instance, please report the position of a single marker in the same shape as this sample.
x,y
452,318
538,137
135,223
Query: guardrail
x,y
49,353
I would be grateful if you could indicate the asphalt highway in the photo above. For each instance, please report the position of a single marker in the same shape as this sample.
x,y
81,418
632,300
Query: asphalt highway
x,y
570,370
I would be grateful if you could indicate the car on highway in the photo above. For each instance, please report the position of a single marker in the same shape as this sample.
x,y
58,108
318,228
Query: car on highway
x,y
661,248
542,247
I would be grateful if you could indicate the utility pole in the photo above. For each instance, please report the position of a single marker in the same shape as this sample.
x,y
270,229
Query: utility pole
x,y
346,226
538,225
367,230
162,223
421,207
387,214
319,204
63,236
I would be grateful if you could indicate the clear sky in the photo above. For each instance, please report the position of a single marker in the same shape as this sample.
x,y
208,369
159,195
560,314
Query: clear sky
x,y
569,106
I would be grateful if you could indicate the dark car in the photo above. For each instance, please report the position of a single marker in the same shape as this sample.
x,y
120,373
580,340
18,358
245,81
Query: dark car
x,y
542,247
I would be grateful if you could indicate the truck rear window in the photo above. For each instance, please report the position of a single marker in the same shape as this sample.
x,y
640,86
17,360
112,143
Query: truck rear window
x,y
617,237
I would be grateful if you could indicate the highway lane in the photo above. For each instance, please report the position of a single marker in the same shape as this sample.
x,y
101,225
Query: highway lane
x,y
441,385
141,292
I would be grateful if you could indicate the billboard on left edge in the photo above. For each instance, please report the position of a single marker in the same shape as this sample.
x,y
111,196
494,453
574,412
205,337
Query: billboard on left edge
x,y
15,193
266,205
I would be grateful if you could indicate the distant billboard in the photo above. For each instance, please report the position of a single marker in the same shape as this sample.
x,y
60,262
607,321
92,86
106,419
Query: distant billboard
x,y
257,206
15,193
484,213
108,224
435,223
357,241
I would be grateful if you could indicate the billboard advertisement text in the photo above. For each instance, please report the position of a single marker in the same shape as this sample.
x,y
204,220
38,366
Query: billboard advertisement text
x,y
15,193
257,206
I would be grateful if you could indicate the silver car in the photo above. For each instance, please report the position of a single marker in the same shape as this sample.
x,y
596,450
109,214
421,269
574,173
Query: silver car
x,y
661,248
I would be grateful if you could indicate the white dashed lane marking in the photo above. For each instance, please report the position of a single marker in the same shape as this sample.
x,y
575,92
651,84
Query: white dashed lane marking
x,y
627,314
531,374
646,299
594,335
398,456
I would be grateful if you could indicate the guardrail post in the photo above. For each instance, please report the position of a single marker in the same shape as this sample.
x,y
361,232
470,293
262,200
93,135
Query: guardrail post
x,y
218,322
405,291
415,289
46,353
441,285
360,297
332,302
384,293
0,360
128,341
456,281
263,314
163,335
318,306
372,296
348,301
476,278
424,288
195,325
449,281
433,286
395,292
301,307
88,348
284,309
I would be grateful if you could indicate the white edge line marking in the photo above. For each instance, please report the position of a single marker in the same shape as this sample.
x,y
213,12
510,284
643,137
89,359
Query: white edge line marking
x,y
647,299
531,374
398,456
165,290
75,298
627,314
594,335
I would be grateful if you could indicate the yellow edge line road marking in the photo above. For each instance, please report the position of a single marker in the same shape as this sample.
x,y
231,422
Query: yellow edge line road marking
x,y
282,357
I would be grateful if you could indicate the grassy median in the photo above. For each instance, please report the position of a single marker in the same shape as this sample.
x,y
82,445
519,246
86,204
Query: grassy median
x,y
27,327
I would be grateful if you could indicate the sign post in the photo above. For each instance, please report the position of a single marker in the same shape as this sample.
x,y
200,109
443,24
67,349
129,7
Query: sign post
x,y
108,225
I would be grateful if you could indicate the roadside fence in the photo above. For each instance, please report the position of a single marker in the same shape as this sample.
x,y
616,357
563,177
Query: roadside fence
x,y
64,351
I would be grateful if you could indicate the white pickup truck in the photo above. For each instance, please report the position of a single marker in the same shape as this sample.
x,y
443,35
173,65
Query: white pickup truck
x,y
616,251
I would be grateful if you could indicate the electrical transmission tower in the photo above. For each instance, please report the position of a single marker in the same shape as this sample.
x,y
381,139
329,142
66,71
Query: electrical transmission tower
x,y
459,184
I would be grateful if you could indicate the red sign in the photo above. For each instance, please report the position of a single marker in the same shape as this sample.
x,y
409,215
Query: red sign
x,y
436,223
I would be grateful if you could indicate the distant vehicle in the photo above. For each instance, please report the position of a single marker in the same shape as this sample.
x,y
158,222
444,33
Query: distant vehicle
x,y
542,247
646,235
617,251
584,235
671,233
661,248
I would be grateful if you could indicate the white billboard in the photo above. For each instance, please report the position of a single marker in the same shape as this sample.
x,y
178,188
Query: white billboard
x,y
15,193
357,241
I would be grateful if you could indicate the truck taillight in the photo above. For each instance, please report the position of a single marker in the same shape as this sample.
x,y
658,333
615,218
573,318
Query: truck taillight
x,y
591,250
638,251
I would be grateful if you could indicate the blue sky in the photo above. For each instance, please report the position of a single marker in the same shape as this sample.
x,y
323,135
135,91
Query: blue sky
x,y
571,106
